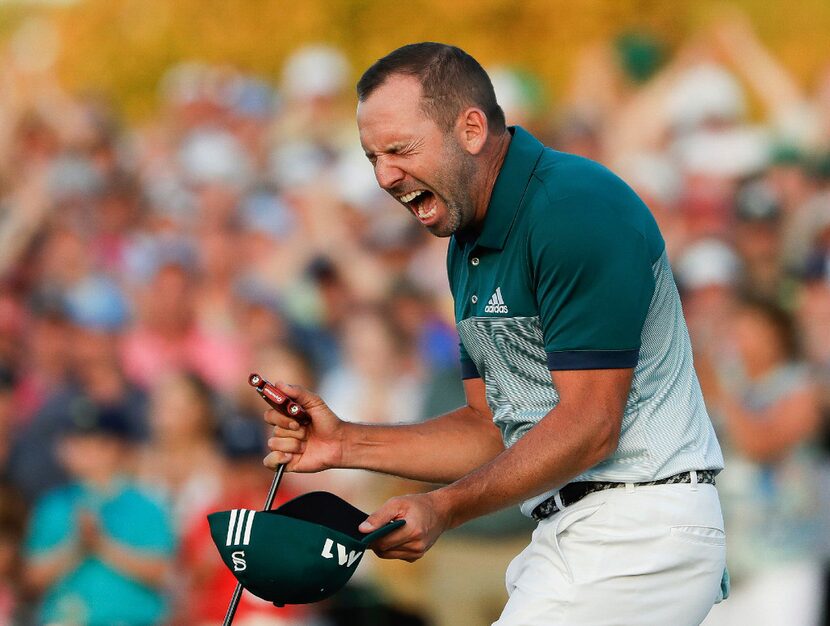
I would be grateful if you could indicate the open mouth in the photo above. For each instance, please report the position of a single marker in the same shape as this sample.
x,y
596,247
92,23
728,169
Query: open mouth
x,y
422,203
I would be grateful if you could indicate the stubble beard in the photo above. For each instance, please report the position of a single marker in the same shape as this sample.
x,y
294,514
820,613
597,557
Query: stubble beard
x,y
458,178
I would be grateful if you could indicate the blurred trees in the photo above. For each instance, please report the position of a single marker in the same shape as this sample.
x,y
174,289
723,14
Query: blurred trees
x,y
122,47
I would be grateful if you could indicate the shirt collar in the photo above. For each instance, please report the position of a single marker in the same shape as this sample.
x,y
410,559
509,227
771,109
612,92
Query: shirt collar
x,y
519,163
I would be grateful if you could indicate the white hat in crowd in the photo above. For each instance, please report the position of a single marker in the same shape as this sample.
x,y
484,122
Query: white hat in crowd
x,y
315,71
708,263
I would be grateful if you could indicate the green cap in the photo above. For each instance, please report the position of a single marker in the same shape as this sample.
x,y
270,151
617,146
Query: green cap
x,y
301,552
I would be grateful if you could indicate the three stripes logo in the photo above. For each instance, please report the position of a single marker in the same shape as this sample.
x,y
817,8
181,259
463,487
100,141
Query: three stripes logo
x,y
239,527
239,534
496,303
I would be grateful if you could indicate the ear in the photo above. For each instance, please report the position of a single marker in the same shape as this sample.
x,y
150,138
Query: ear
x,y
472,130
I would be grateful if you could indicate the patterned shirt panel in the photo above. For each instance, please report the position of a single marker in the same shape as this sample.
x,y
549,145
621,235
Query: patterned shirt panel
x,y
665,427
569,272
510,355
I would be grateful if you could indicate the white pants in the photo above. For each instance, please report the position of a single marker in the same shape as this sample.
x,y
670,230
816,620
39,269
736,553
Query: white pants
x,y
633,556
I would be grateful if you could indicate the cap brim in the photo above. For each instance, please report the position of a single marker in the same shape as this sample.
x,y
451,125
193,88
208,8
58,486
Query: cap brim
x,y
327,509
302,552
382,531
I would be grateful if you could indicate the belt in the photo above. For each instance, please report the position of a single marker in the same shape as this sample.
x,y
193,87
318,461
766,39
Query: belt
x,y
574,492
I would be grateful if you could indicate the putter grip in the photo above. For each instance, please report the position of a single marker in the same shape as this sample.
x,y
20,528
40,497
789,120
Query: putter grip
x,y
276,399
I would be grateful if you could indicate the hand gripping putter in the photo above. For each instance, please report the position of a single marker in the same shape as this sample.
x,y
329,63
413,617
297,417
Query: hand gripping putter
x,y
277,400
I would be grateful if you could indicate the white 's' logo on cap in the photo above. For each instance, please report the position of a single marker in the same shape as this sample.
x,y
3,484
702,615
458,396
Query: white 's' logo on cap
x,y
342,558
239,564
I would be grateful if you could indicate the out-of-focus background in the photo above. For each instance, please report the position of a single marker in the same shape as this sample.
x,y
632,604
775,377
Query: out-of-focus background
x,y
183,200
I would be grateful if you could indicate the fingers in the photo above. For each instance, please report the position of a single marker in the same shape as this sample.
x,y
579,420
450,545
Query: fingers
x,y
405,543
410,542
288,440
289,434
272,416
283,444
403,555
302,396
274,459
284,451
385,514
400,545
286,426
299,396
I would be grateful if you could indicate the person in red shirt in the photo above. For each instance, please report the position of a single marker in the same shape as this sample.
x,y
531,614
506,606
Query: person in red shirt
x,y
209,584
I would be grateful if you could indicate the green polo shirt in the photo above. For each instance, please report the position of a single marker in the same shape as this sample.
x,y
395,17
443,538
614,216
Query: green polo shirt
x,y
569,272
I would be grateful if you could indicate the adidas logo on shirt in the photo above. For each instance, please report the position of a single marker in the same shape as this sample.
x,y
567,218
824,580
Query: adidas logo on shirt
x,y
496,303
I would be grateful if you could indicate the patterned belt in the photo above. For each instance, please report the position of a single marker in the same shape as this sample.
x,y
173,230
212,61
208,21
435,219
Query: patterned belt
x,y
574,492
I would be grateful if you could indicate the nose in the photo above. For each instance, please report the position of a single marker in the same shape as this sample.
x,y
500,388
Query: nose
x,y
388,175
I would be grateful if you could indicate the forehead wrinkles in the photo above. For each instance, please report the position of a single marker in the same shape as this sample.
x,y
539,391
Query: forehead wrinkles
x,y
391,134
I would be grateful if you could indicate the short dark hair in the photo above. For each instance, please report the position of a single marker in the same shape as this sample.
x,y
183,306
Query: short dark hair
x,y
451,80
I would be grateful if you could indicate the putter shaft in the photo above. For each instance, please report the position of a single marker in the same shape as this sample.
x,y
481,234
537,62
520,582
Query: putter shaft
x,y
287,407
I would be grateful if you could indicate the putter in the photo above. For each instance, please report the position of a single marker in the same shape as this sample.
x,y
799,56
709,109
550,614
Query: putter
x,y
281,403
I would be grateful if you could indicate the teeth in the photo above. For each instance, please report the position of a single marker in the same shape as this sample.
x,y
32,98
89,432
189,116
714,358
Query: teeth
x,y
422,214
407,198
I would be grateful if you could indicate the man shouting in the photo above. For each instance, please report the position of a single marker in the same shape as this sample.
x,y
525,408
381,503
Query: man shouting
x,y
582,401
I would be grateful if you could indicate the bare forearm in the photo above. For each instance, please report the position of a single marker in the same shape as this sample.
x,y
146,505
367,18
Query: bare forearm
x,y
43,571
563,445
147,569
440,450
582,430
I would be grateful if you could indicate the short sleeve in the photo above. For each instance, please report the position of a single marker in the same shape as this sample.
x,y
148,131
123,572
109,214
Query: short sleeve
x,y
593,281
468,368
155,532
49,524
158,534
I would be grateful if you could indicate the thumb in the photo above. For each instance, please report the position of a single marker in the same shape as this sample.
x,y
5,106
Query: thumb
x,y
382,516
300,395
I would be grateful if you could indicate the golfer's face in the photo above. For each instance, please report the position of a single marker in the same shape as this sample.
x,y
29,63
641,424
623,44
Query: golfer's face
x,y
414,161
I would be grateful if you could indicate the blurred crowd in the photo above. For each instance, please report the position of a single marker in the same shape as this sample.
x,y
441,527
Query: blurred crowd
x,y
146,269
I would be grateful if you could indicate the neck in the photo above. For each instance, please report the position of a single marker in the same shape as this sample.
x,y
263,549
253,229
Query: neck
x,y
101,482
497,151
